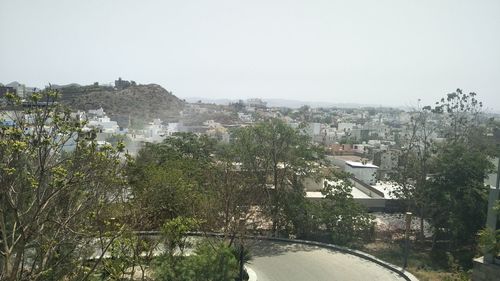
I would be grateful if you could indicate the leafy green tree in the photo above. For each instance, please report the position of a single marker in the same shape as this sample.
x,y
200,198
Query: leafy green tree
x,y
346,221
277,156
56,185
170,179
459,195
443,181
211,261
459,201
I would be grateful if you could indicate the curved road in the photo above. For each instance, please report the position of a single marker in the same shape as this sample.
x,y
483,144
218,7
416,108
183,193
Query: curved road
x,y
280,261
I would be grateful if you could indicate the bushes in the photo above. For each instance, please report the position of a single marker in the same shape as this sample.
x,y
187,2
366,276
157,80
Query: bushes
x,y
211,261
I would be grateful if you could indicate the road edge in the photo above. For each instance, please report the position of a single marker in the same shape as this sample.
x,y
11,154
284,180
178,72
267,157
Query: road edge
x,y
252,276
403,273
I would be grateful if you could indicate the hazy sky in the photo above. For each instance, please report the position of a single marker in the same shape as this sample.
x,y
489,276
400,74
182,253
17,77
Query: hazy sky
x,y
375,52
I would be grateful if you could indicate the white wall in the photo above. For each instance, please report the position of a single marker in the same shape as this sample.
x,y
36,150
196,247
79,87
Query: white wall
x,y
364,174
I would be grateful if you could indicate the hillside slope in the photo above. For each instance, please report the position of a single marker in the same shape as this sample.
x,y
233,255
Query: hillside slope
x,y
140,102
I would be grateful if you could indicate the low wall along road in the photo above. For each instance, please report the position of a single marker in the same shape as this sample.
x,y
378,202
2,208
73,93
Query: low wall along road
x,y
277,259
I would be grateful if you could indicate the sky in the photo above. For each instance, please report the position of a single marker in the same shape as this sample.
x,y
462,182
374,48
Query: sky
x,y
379,52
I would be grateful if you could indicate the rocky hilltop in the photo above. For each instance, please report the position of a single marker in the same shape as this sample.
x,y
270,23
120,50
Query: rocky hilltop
x,y
137,102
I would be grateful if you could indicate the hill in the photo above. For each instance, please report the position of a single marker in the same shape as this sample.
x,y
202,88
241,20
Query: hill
x,y
139,102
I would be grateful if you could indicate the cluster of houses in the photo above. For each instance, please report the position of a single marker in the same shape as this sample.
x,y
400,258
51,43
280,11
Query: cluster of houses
x,y
364,142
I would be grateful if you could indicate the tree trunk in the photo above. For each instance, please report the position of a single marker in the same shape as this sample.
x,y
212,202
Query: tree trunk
x,y
421,234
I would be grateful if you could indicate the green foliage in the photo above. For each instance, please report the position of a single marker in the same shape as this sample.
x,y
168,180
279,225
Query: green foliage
x,y
346,220
463,112
489,240
174,232
245,257
138,103
444,181
211,261
277,155
169,179
117,139
459,198
52,195
163,194
122,257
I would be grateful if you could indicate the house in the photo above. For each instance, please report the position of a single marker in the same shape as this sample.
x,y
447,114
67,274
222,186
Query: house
x,y
362,171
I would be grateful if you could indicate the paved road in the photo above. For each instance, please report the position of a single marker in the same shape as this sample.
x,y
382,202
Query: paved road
x,y
279,261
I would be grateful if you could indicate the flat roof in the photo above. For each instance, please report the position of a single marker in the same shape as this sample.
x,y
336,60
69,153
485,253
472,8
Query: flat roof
x,y
348,158
356,194
387,188
360,165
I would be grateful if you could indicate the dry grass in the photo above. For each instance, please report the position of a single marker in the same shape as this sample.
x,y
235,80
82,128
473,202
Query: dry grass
x,y
424,264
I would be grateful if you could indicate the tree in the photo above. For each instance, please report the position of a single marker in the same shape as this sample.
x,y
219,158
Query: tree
x,y
414,161
443,180
278,157
233,195
459,201
346,221
211,260
170,179
56,185
459,195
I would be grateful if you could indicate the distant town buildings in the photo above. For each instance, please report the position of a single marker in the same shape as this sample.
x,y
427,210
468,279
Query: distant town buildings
x,y
5,89
365,143
255,103
17,88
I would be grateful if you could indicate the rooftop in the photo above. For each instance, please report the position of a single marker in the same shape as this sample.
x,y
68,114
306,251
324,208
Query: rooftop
x,y
360,165
356,193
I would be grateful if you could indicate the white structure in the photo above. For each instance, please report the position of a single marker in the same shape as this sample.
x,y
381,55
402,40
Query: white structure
x,y
346,126
104,124
154,131
97,112
388,188
360,148
313,189
172,128
364,172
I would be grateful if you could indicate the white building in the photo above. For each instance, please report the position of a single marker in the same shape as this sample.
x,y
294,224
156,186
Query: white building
x,y
172,128
346,126
364,172
104,125
153,129
97,112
